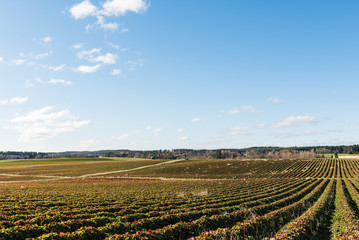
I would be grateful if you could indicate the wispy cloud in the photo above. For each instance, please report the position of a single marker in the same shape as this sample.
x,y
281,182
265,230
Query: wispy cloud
x,y
42,124
54,81
93,55
249,108
14,100
1,59
88,54
87,69
290,121
29,84
47,39
43,55
78,46
306,133
116,72
18,100
122,137
184,138
18,61
88,144
156,131
133,64
60,81
105,25
108,58
4,101
196,119
234,111
273,100
57,68
117,47
238,131
246,108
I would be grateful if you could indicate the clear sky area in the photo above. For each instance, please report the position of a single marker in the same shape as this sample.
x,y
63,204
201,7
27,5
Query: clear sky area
x,y
143,75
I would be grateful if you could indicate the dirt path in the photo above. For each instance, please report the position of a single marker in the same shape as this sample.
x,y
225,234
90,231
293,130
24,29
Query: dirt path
x,y
54,177
132,169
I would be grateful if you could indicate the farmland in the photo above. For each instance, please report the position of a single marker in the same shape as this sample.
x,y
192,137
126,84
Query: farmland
x,y
117,198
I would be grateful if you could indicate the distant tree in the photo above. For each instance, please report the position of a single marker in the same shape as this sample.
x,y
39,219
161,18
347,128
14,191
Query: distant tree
x,y
219,154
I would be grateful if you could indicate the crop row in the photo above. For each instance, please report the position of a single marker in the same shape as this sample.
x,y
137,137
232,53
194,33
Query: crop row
x,y
345,225
146,221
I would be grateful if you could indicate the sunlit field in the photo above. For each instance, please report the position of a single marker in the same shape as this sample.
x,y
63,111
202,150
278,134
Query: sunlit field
x,y
179,199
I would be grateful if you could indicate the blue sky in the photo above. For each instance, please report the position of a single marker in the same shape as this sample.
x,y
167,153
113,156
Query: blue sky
x,y
137,74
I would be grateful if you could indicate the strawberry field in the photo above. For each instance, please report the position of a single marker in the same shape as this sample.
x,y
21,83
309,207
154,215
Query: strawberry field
x,y
197,199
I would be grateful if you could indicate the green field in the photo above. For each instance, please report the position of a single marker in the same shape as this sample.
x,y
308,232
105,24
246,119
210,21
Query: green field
x,y
179,199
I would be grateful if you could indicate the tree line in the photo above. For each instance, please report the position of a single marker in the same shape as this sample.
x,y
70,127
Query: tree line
x,y
243,153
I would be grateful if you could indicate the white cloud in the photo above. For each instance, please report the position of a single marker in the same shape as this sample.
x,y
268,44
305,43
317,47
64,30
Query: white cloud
x,y
289,121
83,10
110,8
47,39
88,69
42,124
196,119
121,7
18,61
273,100
18,100
1,59
108,58
238,131
60,81
180,130
40,115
